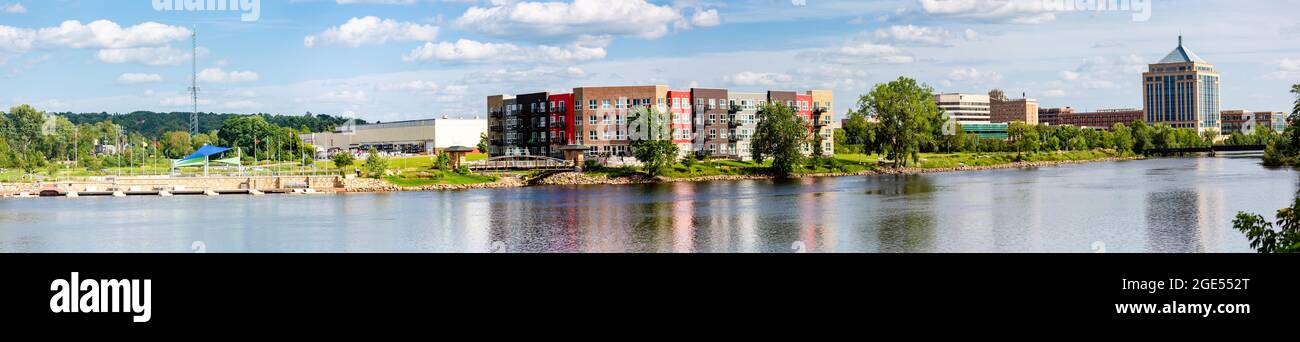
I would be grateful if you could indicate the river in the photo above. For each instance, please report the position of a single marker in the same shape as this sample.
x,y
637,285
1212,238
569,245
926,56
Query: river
x,y
1159,205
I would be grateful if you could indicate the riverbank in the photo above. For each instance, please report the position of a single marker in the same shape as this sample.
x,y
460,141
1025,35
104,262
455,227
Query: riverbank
x,y
574,178
736,171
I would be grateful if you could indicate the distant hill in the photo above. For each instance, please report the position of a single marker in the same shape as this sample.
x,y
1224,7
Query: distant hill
x,y
153,125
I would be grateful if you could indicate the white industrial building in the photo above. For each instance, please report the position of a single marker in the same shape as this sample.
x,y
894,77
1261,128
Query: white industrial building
x,y
415,136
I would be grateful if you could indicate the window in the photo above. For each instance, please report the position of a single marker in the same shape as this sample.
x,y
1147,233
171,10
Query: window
x,y
593,119
713,103
594,137
618,119
591,105
605,120
604,104
713,134
561,106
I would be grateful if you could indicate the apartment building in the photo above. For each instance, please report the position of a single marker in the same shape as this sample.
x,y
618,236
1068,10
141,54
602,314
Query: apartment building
x,y
605,110
716,123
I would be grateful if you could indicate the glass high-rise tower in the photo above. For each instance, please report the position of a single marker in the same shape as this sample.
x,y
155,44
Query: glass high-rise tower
x,y
1182,90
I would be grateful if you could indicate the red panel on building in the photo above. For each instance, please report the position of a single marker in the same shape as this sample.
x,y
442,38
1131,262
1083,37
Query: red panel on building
x,y
679,106
561,119
804,109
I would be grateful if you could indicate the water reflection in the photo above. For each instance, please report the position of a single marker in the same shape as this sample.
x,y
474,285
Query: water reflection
x,y
1163,205
1172,221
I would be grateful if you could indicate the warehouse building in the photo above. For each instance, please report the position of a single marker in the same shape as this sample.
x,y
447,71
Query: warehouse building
x,y
415,136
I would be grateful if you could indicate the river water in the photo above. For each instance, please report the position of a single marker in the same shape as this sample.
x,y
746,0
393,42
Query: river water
x,y
1161,205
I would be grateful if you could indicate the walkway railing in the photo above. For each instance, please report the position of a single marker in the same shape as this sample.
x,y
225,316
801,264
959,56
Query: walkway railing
x,y
508,163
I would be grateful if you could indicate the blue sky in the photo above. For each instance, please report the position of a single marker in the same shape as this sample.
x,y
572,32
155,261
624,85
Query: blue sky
x,y
406,59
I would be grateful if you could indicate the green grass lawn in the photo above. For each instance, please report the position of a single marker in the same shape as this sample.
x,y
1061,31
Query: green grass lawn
x,y
437,177
952,160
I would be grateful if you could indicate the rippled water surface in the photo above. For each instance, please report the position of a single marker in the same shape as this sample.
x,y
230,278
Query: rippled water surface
x,y
1163,205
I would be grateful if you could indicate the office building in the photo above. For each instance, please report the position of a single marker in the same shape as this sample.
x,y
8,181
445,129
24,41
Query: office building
x,y
1004,110
1182,90
965,108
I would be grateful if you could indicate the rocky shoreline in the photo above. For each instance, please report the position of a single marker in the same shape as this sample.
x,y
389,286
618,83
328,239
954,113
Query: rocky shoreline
x,y
364,185
574,178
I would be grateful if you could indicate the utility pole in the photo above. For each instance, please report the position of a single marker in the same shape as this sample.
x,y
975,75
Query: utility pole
x,y
194,80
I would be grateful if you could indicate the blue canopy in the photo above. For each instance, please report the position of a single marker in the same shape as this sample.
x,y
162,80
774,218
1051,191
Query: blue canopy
x,y
206,151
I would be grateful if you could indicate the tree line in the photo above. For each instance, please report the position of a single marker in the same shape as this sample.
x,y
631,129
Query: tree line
x,y
900,120
31,139
154,125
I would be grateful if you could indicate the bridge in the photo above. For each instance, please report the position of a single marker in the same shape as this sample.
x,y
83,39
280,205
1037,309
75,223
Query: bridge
x,y
522,163
1211,150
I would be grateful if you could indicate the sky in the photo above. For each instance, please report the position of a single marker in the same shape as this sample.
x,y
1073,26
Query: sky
x,y
387,60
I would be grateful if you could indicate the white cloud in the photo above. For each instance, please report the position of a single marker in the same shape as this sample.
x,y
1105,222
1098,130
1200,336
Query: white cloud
x,y
372,30
918,35
344,96
706,18
1287,70
1101,72
539,74
15,8
217,75
973,75
637,18
749,78
104,34
1009,11
859,53
469,51
377,2
165,55
1054,93
133,78
15,39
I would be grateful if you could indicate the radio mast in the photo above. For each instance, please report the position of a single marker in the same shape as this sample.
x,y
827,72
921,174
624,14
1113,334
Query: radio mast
x,y
194,81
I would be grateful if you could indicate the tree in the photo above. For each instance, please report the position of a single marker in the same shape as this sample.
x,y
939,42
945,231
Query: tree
x,y
23,133
442,162
248,131
781,135
1123,138
907,115
343,160
1023,137
483,143
177,144
1264,238
375,164
652,143
859,131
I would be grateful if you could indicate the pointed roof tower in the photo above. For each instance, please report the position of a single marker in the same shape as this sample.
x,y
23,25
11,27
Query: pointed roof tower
x,y
1182,55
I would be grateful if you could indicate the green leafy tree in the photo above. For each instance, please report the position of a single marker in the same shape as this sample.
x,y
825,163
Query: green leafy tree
x,y
1023,137
246,131
1267,239
177,144
907,115
442,162
780,135
375,164
652,143
23,132
483,143
1122,138
859,131
343,160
